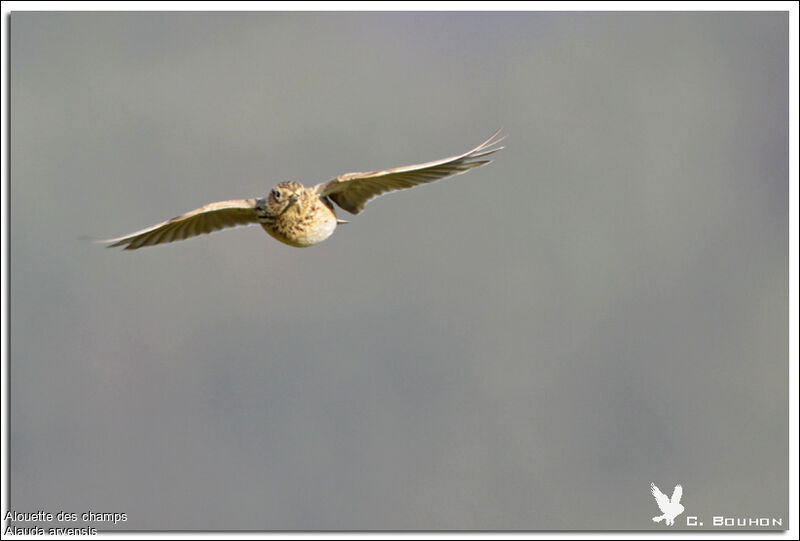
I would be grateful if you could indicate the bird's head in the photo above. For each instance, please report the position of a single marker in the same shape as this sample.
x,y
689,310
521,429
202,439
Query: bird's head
x,y
283,196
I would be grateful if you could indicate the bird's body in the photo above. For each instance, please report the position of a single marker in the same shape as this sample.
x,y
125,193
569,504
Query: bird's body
x,y
307,221
670,507
303,216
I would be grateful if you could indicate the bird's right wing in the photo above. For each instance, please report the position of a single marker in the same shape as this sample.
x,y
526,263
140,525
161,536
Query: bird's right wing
x,y
661,499
676,495
200,221
352,191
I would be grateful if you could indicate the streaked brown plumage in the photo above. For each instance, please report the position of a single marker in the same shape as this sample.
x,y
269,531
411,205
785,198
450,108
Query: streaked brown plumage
x,y
300,216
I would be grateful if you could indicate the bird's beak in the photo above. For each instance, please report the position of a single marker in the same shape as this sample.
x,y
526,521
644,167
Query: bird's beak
x,y
293,199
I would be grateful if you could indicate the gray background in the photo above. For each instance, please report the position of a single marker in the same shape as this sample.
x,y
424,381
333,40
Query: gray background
x,y
526,346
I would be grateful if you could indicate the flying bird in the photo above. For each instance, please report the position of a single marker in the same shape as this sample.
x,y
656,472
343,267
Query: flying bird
x,y
301,216
670,507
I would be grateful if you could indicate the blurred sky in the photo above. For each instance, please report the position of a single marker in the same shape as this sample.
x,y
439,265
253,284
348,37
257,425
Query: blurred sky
x,y
527,346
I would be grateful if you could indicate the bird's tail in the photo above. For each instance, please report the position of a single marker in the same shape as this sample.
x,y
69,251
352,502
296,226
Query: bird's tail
x,y
659,519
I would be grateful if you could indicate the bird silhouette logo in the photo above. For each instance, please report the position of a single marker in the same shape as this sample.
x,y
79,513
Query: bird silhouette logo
x,y
670,507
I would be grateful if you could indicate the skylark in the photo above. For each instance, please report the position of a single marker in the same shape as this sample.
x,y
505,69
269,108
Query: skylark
x,y
300,216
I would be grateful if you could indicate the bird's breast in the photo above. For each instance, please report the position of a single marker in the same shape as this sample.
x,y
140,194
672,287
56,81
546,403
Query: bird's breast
x,y
307,224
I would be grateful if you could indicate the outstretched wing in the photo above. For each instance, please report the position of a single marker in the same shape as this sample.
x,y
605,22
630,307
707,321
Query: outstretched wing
x,y
200,221
661,498
676,495
352,191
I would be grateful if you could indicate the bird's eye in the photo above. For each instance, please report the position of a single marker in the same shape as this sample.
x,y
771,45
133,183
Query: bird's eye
x,y
276,194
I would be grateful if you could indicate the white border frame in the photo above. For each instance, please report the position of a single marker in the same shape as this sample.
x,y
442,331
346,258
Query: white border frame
x,y
791,7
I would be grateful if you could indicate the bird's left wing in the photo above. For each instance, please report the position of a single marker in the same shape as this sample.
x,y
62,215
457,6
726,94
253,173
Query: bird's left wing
x,y
352,191
676,494
200,221
661,498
